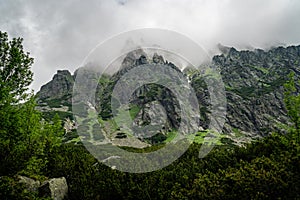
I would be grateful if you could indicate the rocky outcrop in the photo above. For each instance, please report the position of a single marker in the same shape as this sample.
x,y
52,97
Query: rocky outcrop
x,y
139,57
254,86
158,59
132,57
60,86
169,111
56,96
55,188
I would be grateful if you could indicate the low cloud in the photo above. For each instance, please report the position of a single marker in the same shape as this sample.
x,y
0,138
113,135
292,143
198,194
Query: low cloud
x,y
59,34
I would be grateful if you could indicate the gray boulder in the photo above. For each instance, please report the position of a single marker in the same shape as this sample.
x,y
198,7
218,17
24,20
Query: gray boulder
x,y
31,184
56,188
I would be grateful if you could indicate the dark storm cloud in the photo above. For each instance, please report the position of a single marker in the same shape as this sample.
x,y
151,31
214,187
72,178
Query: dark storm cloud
x,y
59,34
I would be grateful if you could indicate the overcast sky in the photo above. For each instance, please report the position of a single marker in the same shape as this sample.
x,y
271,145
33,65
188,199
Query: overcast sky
x,y
59,34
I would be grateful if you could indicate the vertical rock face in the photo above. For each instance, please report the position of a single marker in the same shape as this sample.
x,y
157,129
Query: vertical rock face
x,y
56,96
146,94
254,87
60,86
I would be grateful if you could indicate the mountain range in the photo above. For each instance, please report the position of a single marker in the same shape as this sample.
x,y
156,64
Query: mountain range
x,y
253,82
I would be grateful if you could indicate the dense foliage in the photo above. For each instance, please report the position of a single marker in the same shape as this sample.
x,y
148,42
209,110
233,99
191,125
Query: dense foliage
x,y
15,74
268,168
292,102
26,140
265,169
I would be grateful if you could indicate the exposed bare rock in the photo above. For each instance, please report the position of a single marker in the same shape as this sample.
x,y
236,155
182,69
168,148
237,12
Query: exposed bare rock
x,y
60,86
158,59
56,188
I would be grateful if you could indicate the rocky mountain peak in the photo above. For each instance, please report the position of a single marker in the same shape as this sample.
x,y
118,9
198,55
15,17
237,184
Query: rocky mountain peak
x,y
157,59
60,86
139,57
223,49
63,73
142,60
132,57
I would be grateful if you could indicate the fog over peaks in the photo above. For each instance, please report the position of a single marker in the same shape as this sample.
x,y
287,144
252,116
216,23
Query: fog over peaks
x,y
60,34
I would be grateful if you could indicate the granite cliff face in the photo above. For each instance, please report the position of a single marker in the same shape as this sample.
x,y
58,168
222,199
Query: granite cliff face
x,y
254,89
61,85
150,103
56,96
253,82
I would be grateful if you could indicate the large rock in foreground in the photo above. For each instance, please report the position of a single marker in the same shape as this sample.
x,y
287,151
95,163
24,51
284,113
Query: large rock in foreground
x,y
55,188
30,184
